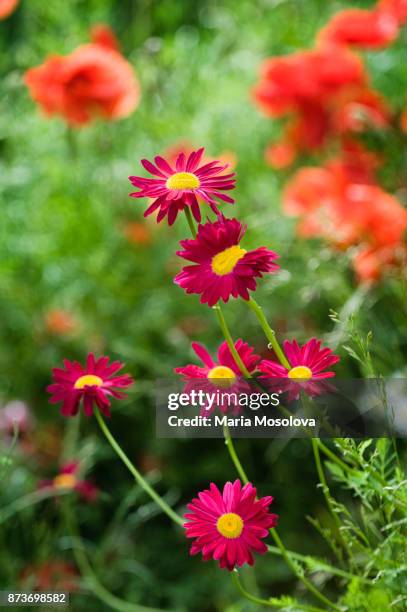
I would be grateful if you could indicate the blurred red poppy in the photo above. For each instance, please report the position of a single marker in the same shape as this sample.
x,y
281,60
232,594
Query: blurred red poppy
x,y
397,8
53,575
93,81
60,322
342,203
7,7
361,28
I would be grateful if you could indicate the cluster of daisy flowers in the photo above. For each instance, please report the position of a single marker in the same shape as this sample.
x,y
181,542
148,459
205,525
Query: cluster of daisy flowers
x,y
229,524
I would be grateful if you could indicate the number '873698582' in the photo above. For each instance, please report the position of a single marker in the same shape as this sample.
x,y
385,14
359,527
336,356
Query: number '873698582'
x,y
44,598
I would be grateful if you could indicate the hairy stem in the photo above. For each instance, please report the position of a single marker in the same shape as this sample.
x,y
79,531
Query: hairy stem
x,y
270,334
233,455
190,220
229,340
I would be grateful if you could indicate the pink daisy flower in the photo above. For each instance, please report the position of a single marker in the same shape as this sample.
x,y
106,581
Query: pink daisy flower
x,y
222,268
220,375
68,479
308,367
90,384
229,526
173,189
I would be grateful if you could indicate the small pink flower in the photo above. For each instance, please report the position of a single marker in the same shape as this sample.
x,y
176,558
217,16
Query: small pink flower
x,y
68,479
308,367
228,526
92,384
174,189
15,414
222,268
221,375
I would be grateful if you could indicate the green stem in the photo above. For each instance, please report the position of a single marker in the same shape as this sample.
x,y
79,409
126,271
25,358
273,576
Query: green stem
x,y
229,340
233,455
327,495
299,575
87,572
321,565
72,143
6,460
26,501
138,477
267,602
270,334
190,220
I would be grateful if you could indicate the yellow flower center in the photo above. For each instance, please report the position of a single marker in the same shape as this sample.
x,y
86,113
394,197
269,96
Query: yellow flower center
x,y
224,262
183,180
230,525
224,376
300,372
87,381
64,481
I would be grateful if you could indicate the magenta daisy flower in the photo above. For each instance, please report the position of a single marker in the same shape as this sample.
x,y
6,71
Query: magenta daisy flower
x,y
222,268
229,526
68,479
173,189
308,367
221,374
92,384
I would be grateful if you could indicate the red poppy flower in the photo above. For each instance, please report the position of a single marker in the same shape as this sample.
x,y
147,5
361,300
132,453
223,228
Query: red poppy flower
x,y
342,203
93,81
365,29
229,526
93,384
7,7
60,322
397,8
54,575
222,268
306,77
176,188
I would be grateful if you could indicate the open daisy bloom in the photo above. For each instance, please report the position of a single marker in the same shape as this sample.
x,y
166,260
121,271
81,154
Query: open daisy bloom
x,y
174,189
222,268
309,363
222,374
68,479
92,384
229,526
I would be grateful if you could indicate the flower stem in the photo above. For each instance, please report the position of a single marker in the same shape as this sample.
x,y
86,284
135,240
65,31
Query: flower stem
x,y
87,572
233,455
299,574
139,478
270,334
319,565
28,500
327,494
267,602
190,220
229,340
